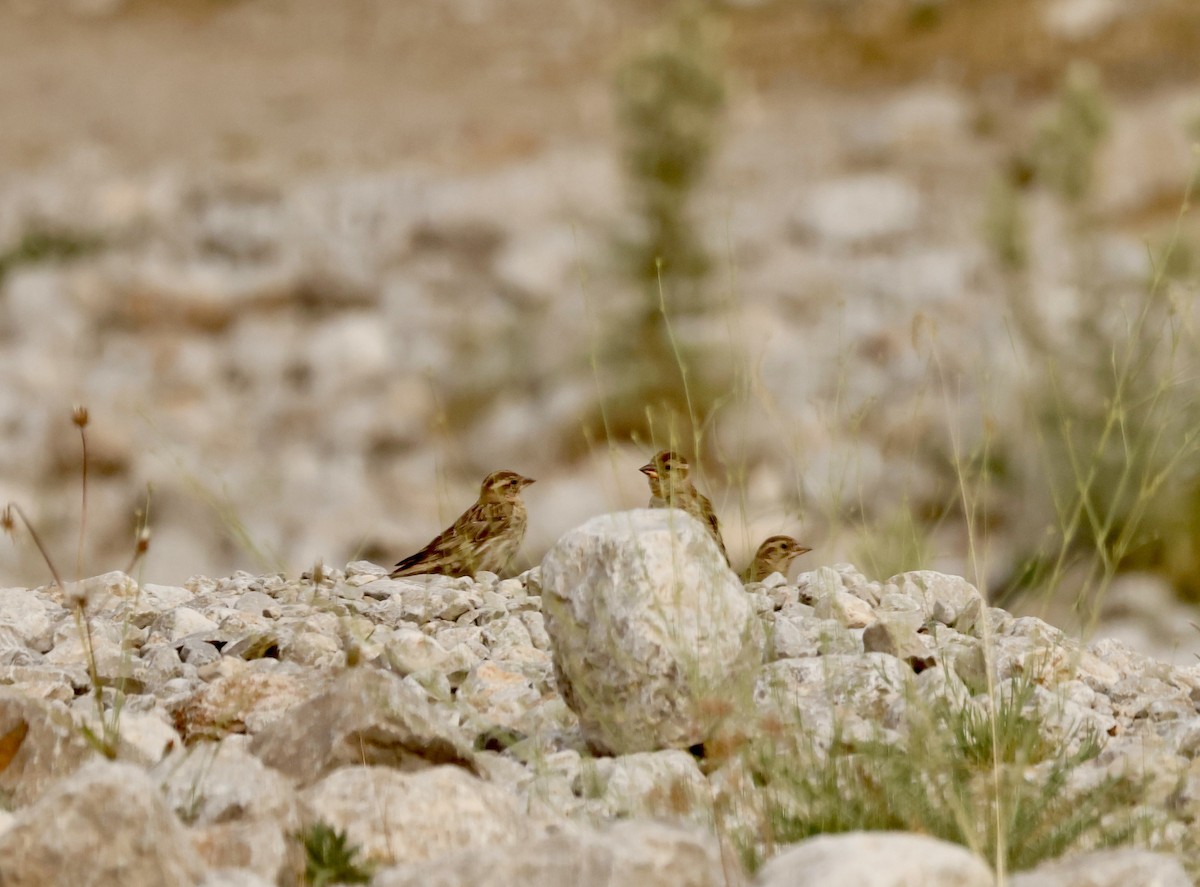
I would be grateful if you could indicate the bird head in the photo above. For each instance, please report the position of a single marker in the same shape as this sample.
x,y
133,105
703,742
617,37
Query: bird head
x,y
503,485
666,466
781,548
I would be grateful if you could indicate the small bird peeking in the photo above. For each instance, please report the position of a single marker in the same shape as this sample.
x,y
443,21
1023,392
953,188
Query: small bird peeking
x,y
670,487
485,537
775,555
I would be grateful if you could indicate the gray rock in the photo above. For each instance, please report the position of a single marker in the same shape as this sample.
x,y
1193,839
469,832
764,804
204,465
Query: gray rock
x,y
50,682
361,573
239,700
862,692
152,600
798,636
143,737
501,694
535,625
664,785
366,716
1107,868
875,859
258,603
813,586
647,854
410,650
945,599
412,817
862,208
223,782
198,653
1076,20
53,746
848,609
117,826
29,618
235,877
70,650
649,629
253,645
181,622
315,649
262,847
897,637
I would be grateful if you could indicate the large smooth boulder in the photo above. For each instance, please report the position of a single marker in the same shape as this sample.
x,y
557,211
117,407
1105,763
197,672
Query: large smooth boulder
x,y
875,859
655,641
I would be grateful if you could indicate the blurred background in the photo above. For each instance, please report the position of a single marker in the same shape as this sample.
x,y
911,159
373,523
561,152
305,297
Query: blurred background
x,y
914,280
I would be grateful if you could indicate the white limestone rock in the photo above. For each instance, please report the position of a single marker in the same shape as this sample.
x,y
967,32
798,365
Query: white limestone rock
x,y
398,818
366,716
53,746
862,208
875,859
1106,868
664,785
28,619
654,639
116,825
648,854
950,600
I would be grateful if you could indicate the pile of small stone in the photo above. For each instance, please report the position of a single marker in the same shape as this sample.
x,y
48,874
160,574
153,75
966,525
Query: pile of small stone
x,y
547,729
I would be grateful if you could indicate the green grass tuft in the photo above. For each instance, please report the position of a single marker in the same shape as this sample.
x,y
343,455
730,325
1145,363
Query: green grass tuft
x,y
330,858
992,777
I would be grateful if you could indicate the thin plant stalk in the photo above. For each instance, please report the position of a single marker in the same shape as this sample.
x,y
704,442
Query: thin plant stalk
x,y
83,510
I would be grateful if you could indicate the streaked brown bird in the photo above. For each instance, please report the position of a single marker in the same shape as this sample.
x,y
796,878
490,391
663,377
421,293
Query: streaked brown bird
x,y
670,487
775,555
485,537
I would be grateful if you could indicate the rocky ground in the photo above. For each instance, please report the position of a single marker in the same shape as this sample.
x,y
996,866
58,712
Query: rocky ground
x,y
314,293
626,712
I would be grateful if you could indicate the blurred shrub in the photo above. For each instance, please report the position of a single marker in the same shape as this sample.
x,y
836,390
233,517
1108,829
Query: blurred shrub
x,y
669,97
1065,149
42,244
1115,420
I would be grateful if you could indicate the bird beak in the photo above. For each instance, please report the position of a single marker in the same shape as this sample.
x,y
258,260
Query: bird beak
x,y
802,550
526,481
649,470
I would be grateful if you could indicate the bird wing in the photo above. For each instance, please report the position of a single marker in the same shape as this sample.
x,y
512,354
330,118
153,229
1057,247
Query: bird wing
x,y
714,524
452,545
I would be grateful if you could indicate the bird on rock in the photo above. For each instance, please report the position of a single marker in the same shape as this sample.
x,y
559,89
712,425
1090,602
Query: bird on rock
x,y
485,537
775,555
670,487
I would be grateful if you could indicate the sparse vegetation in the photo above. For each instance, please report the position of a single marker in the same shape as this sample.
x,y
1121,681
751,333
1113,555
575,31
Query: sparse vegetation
x,y
329,857
990,775
669,95
76,598
1102,478
1109,395
45,244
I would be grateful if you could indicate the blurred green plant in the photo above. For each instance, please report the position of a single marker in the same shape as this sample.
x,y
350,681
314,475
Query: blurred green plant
x,y
42,244
987,773
329,857
669,96
1115,423
1065,148
105,738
